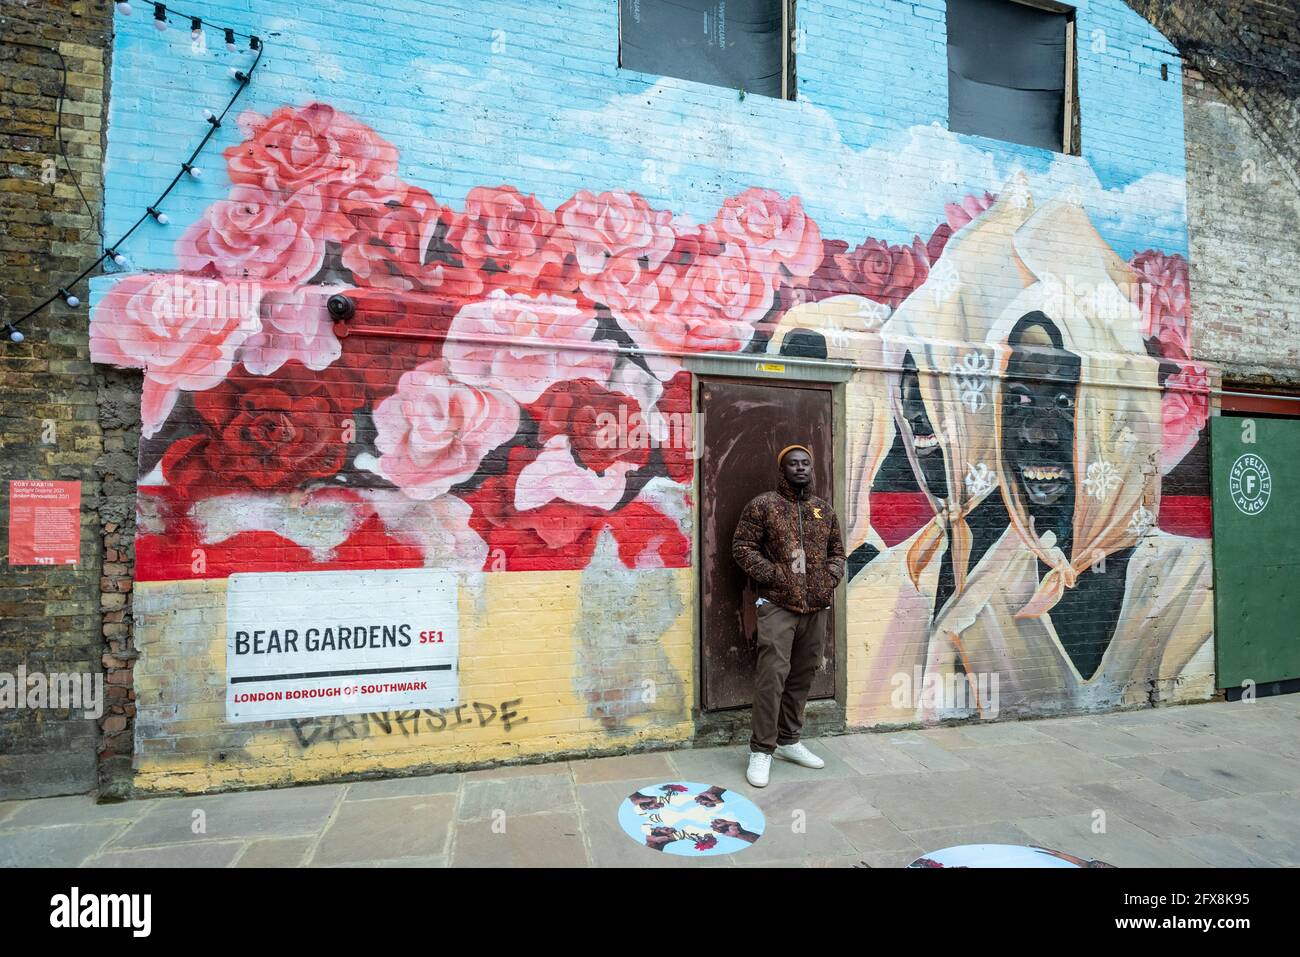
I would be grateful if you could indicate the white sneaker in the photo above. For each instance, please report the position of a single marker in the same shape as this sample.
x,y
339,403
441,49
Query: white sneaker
x,y
799,755
760,767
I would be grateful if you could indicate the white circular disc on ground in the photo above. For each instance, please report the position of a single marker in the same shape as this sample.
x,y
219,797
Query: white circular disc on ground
x,y
1001,855
690,819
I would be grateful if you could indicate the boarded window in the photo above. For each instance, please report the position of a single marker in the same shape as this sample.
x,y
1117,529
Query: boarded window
x,y
738,44
1010,69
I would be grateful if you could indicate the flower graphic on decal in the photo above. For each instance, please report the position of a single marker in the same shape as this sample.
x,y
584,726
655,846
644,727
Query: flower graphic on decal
x,y
979,479
972,374
1101,478
704,842
1142,521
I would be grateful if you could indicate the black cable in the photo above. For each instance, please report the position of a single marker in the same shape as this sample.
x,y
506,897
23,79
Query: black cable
x,y
58,123
243,78
172,15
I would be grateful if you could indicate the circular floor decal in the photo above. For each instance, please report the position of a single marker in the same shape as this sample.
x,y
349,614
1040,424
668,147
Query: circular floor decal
x,y
1001,855
690,819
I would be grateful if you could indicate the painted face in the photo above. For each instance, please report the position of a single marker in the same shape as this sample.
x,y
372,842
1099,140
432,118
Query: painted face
x,y
1038,423
925,443
797,467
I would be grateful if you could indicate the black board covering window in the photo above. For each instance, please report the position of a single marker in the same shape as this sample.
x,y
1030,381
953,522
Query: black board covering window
x,y
732,43
1007,66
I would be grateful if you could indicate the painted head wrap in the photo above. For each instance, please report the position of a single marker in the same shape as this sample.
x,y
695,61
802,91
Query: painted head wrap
x,y
1089,293
944,325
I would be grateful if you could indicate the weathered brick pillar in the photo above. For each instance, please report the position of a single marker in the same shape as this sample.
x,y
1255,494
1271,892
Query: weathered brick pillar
x,y
49,428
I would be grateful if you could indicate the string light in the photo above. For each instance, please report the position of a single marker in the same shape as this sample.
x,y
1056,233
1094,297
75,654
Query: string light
x,y
214,122
196,28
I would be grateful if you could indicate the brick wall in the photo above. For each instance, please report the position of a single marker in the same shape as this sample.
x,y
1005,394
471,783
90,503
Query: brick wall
x,y
276,445
49,422
1242,107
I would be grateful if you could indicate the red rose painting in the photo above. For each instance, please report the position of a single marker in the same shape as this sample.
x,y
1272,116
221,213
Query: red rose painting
x,y
512,383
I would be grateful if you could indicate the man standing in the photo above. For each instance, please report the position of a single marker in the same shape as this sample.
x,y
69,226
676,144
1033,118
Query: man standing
x,y
788,541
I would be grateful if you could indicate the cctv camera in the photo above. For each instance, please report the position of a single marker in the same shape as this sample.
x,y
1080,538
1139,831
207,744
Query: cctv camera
x,y
341,308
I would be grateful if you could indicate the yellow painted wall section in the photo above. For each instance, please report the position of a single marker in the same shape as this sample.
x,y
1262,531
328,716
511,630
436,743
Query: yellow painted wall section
x,y
535,679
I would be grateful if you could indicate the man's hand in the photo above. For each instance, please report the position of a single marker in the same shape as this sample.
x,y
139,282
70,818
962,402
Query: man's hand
x,y
733,829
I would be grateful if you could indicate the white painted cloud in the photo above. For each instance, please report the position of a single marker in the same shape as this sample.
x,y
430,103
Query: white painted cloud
x,y
890,189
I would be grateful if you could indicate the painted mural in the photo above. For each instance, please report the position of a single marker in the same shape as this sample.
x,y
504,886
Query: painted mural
x,y
511,393
513,385
1036,389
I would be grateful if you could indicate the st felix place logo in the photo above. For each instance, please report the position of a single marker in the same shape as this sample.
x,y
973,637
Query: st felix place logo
x,y
74,910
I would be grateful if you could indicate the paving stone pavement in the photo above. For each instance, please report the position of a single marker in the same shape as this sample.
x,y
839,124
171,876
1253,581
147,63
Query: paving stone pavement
x,y
1212,785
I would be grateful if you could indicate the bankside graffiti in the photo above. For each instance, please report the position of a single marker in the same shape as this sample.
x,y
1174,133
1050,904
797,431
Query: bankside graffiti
x,y
1023,404
477,714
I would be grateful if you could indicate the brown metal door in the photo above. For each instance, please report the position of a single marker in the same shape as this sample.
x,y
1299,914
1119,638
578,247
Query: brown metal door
x,y
745,425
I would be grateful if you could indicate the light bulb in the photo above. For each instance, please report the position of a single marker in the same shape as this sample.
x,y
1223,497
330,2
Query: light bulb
x,y
162,218
160,16
238,74
196,29
230,40
195,172
15,335
69,298
124,8
117,257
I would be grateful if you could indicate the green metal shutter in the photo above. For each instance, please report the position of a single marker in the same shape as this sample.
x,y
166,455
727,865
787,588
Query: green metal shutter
x,y
1256,549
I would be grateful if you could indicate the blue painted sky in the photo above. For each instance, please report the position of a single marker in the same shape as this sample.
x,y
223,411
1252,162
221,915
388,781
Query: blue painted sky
x,y
529,94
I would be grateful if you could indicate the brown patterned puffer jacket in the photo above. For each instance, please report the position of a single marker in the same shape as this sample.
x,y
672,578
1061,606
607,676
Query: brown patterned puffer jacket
x,y
773,529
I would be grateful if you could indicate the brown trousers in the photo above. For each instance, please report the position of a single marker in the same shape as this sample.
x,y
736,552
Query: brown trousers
x,y
789,652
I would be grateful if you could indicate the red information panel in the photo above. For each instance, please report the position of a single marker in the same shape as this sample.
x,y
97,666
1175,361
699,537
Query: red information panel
x,y
44,523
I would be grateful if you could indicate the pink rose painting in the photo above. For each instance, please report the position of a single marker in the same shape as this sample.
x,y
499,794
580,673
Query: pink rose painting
x,y
600,228
1164,302
506,236
462,414
257,234
1185,410
392,230
770,225
184,332
313,146
435,430
522,344
295,326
